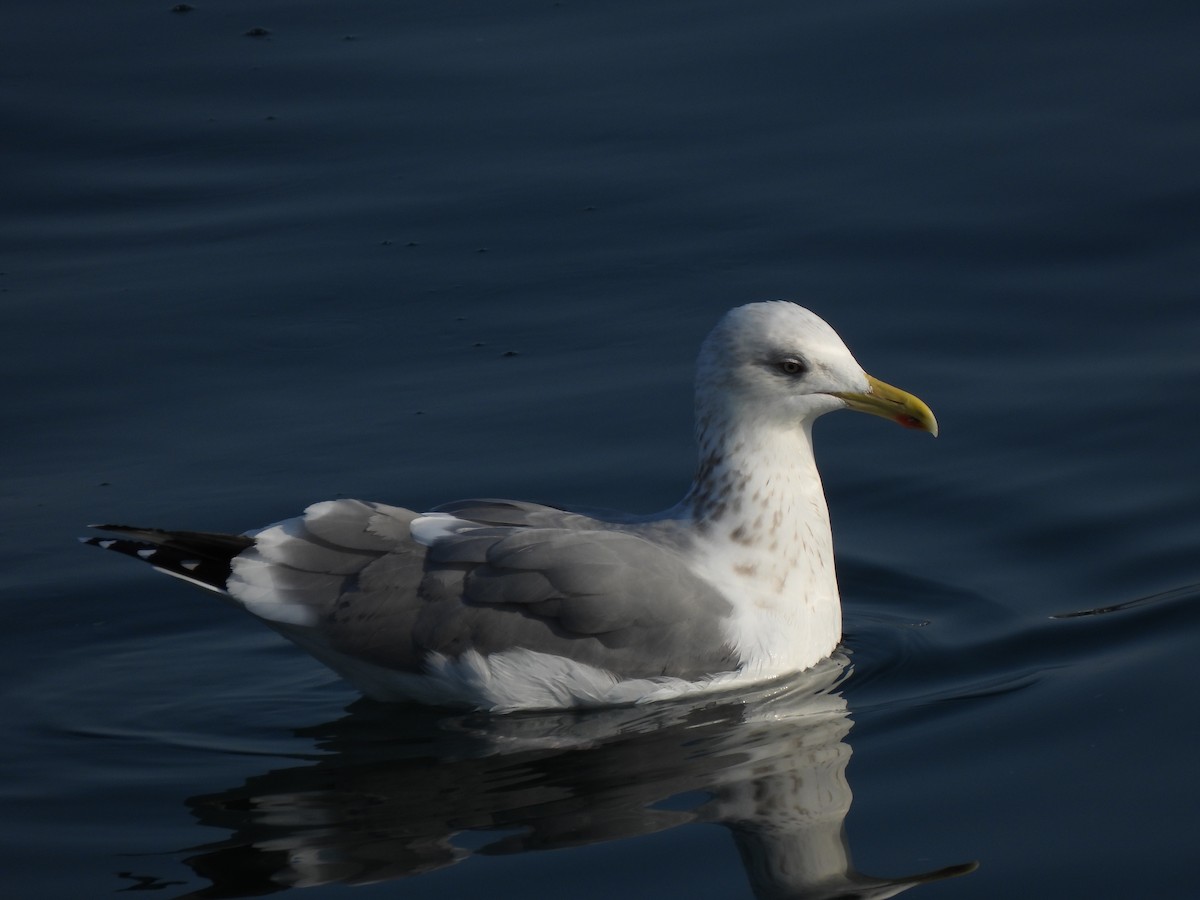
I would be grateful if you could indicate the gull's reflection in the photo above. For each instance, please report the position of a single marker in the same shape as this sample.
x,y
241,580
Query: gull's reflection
x,y
404,792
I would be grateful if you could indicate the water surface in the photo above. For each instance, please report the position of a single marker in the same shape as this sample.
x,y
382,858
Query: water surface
x,y
413,252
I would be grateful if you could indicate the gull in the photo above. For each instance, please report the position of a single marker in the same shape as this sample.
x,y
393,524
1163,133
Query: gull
x,y
506,605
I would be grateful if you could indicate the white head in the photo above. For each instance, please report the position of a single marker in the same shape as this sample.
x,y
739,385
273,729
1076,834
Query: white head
x,y
778,364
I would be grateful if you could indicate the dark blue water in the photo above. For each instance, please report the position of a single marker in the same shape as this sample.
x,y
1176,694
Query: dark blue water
x,y
418,251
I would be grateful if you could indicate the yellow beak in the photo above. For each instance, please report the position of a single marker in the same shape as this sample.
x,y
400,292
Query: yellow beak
x,y
892,403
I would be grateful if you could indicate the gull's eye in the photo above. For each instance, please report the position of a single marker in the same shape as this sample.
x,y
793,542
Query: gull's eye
x,y
791,366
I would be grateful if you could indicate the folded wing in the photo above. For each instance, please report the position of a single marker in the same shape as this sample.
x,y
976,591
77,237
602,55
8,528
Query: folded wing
x,y
490,576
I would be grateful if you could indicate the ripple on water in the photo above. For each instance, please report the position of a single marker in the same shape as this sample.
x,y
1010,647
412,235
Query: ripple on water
x,y
915,642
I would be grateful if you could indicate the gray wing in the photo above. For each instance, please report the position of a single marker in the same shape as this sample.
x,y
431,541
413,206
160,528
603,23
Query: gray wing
x,y
528,576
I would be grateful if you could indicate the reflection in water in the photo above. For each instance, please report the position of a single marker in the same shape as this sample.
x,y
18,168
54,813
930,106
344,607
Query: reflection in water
x,y
403,792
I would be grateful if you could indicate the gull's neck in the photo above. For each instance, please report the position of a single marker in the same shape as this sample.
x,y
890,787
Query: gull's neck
x,y
759,509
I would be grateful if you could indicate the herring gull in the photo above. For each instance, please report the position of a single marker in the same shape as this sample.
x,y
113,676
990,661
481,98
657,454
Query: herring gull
x,y
504,604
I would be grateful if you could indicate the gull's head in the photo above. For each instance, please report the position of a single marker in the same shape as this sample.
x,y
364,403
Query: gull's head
x,y
777,363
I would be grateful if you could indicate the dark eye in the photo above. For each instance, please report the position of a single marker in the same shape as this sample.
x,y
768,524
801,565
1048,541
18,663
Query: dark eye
x,y
791,366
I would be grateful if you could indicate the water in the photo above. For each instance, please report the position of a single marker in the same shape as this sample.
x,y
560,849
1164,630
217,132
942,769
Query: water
x,y
241,274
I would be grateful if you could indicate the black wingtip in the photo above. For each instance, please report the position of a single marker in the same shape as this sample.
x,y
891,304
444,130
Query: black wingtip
x,y
202,558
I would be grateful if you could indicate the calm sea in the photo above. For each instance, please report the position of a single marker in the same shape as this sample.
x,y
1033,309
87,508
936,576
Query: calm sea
x,y
259,254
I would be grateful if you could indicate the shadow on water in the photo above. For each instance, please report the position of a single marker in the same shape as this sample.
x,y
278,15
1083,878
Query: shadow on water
x,y
405,792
